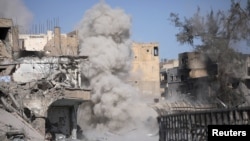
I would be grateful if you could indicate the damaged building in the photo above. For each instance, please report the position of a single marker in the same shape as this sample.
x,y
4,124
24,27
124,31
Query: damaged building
x,y
53,43
42,87
166,65
198,78
145,65
39,95
202,92
46,94
187,76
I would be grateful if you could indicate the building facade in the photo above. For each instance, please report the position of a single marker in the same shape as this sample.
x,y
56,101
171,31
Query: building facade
x,y
53,43
166,65
191,76
145,68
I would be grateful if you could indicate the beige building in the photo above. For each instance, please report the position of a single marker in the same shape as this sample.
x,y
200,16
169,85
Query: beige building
x,y
62,44
145,68
168,64
34,42
53,43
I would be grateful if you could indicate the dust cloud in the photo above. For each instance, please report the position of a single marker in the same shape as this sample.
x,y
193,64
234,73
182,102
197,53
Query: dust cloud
x,y
17,11
117,110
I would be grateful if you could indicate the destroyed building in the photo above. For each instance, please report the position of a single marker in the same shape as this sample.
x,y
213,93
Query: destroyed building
x,y
198,77
42,87
145,65
185,78
53,43
39,95
202,92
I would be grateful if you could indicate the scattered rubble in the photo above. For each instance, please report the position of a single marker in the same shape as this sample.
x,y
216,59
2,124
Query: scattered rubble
x,y
43,94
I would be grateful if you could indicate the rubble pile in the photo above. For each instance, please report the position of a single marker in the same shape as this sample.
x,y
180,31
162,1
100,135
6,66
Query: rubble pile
x,y
28,95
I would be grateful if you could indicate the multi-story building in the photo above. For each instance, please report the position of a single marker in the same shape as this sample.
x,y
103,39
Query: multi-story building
x,y
145,68
189,76
166,65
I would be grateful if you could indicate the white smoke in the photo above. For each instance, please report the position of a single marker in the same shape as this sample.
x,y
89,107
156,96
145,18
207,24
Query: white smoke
x,y
116,106
17,11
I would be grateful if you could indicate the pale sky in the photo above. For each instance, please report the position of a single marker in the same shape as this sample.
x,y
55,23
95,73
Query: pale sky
x,y
149,17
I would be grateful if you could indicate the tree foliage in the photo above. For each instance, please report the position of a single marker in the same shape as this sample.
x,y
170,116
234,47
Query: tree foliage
x,y
217,34
230,26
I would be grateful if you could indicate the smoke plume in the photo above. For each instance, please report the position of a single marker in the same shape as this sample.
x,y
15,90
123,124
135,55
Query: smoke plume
x,y
116,106
16,10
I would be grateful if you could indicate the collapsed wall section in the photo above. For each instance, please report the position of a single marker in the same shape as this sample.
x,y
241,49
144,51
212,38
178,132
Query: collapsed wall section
x,y
34,94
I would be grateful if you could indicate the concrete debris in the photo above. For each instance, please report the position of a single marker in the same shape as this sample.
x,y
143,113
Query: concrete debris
x,y
39,95
43,94
15,127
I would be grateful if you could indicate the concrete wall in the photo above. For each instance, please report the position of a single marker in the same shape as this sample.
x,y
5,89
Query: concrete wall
x,y
191,76
166,65
33,42
192,60
8,38
33,69
52,43
145,68
66,44
6,22
196,62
